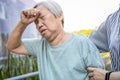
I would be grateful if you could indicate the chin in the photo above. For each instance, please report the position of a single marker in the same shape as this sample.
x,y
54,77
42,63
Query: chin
x,y
45,36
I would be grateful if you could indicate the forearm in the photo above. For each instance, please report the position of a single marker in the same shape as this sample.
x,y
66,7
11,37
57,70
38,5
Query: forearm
x,y
14,39
115,76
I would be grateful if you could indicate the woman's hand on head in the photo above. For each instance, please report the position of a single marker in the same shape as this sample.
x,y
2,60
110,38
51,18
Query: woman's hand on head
x,y
29,15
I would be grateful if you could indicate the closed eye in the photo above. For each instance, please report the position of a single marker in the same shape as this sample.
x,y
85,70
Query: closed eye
x,y
36,21
42,17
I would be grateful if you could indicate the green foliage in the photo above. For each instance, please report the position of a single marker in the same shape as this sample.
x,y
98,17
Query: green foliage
x,y
16,65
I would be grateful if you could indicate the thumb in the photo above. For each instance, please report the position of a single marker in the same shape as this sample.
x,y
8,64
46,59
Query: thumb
x,y
91,69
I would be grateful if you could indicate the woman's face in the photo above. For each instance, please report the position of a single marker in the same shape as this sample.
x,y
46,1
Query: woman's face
x,y
47,24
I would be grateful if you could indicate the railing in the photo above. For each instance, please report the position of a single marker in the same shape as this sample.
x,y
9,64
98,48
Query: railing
x,y
23,76
1,59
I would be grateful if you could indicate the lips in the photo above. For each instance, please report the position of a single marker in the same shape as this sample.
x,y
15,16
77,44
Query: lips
x,y
42,31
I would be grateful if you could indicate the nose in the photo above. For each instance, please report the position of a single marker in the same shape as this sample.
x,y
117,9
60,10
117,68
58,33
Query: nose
x,y
40,24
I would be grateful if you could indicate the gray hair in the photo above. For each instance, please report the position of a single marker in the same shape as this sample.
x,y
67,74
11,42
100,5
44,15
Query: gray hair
x,y
53,7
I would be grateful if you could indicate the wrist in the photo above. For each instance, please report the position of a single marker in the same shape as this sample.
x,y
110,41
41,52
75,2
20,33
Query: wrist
x,y
22,24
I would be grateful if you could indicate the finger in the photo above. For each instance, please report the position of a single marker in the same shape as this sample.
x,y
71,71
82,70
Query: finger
x,y
91,74
32,13
92,78
90,69
35,12
26,13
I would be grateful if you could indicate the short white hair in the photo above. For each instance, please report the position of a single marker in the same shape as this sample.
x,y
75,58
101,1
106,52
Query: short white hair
x,y
53,7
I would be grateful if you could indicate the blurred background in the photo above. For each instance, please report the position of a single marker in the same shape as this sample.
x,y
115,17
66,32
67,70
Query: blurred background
x,y
85,14
81,17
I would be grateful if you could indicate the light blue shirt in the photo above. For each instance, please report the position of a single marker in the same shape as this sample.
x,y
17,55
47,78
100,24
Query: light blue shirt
x,y
107,38
67,61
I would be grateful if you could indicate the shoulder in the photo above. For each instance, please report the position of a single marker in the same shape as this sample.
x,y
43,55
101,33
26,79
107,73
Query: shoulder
x,y
84,41
81,38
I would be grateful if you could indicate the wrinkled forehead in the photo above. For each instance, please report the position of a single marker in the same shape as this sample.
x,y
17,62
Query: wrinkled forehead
x,y
51,6
42,8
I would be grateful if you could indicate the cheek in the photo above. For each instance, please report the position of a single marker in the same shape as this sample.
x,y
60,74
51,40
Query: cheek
x,y
37,28
51,26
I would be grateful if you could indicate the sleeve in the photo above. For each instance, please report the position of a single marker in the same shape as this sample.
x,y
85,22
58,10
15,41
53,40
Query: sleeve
x,y
31,45
99,37
92,55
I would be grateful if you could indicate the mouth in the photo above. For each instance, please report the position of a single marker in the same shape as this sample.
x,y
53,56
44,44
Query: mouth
x,y
43,31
